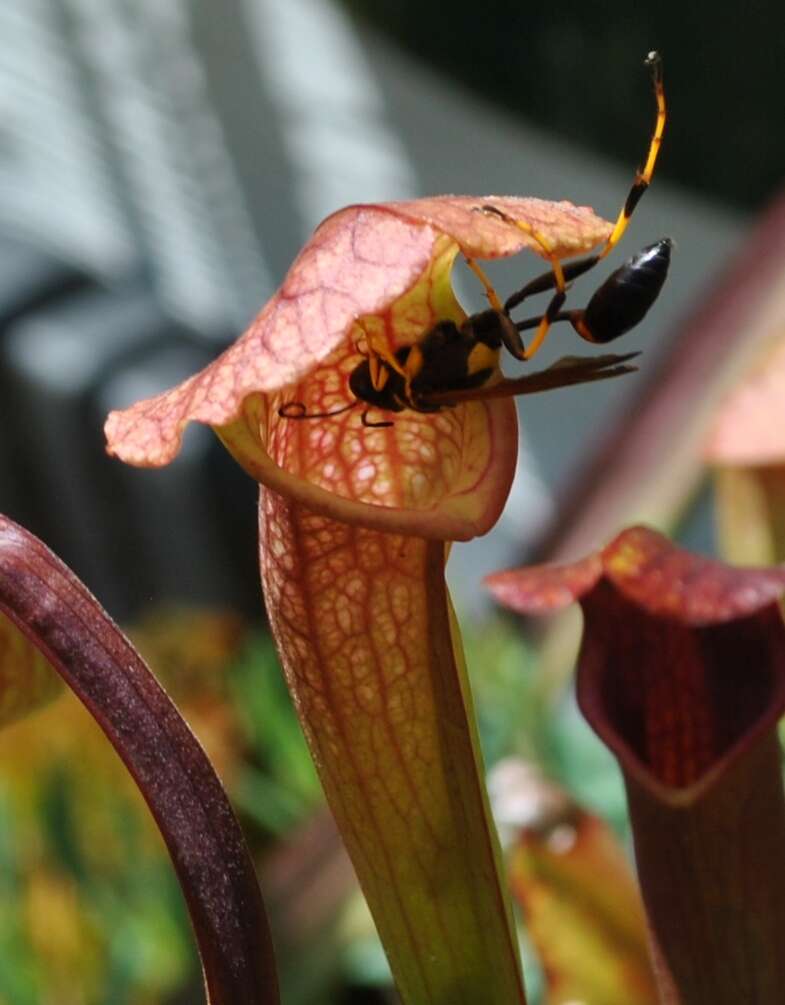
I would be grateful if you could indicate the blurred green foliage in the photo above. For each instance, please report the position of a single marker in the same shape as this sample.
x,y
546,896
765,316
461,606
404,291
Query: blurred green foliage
x,y
519,716
277,785
90,911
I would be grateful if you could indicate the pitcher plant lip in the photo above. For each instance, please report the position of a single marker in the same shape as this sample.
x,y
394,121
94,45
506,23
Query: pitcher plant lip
x,y
637,562
641,583
384,268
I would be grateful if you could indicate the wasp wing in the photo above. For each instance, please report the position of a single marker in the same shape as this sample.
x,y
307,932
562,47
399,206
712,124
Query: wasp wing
x,y
564,372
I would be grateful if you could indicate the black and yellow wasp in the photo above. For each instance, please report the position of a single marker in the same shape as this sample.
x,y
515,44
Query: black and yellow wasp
x,y
458,362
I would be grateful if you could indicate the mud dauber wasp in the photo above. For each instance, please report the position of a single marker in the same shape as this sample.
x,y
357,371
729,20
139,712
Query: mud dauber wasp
x,y
460,362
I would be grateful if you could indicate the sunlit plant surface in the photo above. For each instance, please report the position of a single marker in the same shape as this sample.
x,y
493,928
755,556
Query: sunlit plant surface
x,y
374,416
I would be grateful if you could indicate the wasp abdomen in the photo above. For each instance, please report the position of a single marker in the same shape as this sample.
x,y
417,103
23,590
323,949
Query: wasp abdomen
x,y
627,294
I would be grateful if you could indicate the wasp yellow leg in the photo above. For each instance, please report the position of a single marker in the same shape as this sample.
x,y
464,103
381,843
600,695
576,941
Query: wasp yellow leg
x,y
558,276
382,352
490,292
381,362
545,323
643,176
378,372
414,363
380,359
535,235
545,244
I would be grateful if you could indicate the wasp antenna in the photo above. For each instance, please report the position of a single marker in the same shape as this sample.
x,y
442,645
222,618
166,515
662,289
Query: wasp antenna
x,y
296,410
375,425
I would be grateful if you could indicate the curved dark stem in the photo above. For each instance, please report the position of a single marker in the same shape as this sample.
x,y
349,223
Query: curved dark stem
x,y
59,616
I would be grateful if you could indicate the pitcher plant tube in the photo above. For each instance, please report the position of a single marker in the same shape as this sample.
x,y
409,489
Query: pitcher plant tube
x,y
682,674
370,461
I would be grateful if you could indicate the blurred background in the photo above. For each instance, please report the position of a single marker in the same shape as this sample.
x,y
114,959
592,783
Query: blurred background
x,y
160,166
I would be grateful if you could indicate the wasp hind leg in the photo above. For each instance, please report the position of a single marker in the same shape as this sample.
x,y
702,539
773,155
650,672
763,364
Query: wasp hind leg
x,y
560,275
555,278
381,361
490,291
644,175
